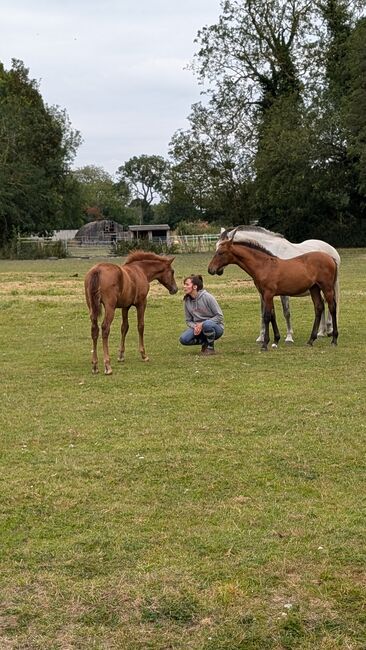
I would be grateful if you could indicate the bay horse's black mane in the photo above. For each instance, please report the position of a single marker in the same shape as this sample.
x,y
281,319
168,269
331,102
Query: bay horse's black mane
x,y
138,255
254,245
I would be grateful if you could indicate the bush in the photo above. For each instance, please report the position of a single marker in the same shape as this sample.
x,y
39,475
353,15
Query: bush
x,y
18,249
197,228
122,248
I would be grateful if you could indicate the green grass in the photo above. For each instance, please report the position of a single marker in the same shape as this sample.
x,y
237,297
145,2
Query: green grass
x,y
184,503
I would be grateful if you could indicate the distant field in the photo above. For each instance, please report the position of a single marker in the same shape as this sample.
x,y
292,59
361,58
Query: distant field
x,y
185,503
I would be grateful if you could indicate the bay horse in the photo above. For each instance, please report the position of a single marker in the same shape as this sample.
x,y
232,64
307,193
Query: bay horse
x,y
278,245
124,286
313,272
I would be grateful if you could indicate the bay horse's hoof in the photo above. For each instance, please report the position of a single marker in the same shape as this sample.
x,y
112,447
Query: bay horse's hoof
x,y
145,359
108,371
310,344
120,359
95,371
264,349
274,346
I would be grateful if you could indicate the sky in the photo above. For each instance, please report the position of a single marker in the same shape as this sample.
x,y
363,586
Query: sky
x,y
118,68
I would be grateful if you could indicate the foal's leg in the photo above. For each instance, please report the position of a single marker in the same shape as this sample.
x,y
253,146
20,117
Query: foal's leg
x,y
285,300
318,309
106,326
94,335
140,326
124,330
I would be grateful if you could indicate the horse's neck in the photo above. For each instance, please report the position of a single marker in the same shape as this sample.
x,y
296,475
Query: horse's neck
x,y
248,259
151,269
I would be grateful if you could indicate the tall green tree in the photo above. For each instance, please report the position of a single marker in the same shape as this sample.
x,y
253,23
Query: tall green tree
x,y
36,147
101,195
355,106
146,176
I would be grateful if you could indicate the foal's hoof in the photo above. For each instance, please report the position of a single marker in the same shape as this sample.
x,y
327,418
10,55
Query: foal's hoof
x,y
289,339
95,371
274,346
264,349
145,359
108,371
120,359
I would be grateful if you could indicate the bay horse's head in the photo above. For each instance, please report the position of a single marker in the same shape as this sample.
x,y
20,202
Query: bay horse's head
x,y
166,276
222,258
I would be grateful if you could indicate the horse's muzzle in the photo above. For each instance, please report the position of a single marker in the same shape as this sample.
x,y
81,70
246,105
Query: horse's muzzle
x,y
173,291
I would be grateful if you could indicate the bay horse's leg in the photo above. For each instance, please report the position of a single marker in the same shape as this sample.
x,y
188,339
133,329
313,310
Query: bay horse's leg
x,y
124,330
285,300
106,326
261,326
276,331
330,298
94,335
323,326
269,315
140,326
318,303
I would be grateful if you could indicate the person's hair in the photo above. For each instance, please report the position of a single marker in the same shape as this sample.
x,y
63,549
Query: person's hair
x,y
196,280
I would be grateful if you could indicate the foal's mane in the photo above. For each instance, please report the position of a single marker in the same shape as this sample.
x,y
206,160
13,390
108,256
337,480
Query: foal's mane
x,y
139,256
254,245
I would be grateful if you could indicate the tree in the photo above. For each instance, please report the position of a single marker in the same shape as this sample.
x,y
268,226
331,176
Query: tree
x,y
272,127
101,195
36,146
146,176
355,104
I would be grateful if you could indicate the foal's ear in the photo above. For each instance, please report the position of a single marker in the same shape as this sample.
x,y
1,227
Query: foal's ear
x,y
171,259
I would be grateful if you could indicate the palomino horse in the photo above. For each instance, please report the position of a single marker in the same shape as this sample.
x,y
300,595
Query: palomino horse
x,y
313,272
124,286
281,247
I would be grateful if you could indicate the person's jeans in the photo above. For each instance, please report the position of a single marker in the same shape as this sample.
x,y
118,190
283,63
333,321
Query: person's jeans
x,y
210,332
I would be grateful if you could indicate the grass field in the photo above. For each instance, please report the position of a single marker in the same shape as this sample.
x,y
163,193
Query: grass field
x,y
186,503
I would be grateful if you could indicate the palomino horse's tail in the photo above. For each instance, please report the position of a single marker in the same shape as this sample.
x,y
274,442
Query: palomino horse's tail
x,y
92,293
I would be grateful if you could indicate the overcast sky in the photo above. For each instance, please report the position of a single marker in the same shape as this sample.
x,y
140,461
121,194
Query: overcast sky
x,y
116,66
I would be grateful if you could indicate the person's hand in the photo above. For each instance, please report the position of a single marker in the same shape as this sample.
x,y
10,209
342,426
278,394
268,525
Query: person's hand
x,y
198,329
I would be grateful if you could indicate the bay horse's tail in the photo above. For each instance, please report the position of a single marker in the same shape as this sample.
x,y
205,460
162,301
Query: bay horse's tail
x,y
92,294
337,290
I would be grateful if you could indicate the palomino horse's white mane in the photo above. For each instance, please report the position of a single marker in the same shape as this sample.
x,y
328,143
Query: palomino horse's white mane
x,y
256,229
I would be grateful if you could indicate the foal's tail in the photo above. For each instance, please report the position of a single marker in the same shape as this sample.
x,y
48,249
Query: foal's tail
x,y
92,293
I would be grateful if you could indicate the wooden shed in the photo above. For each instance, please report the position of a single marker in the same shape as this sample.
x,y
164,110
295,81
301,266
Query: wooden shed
x,y
154,232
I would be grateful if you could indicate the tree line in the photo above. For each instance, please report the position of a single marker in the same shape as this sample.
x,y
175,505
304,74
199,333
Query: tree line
x,y
278,139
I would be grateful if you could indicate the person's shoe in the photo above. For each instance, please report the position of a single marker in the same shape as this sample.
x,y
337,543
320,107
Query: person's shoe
x,y
208,351
204,347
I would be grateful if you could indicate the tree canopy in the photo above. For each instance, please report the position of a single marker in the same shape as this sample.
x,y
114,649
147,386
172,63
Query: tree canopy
x,y
37,145
278,136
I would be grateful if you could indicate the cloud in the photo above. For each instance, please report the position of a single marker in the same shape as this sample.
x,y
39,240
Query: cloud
x,y
117,67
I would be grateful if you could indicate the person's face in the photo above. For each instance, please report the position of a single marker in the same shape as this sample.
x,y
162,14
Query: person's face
x,y
189,288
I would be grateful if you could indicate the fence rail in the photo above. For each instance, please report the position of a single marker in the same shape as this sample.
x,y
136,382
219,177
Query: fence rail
x,y
87,248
